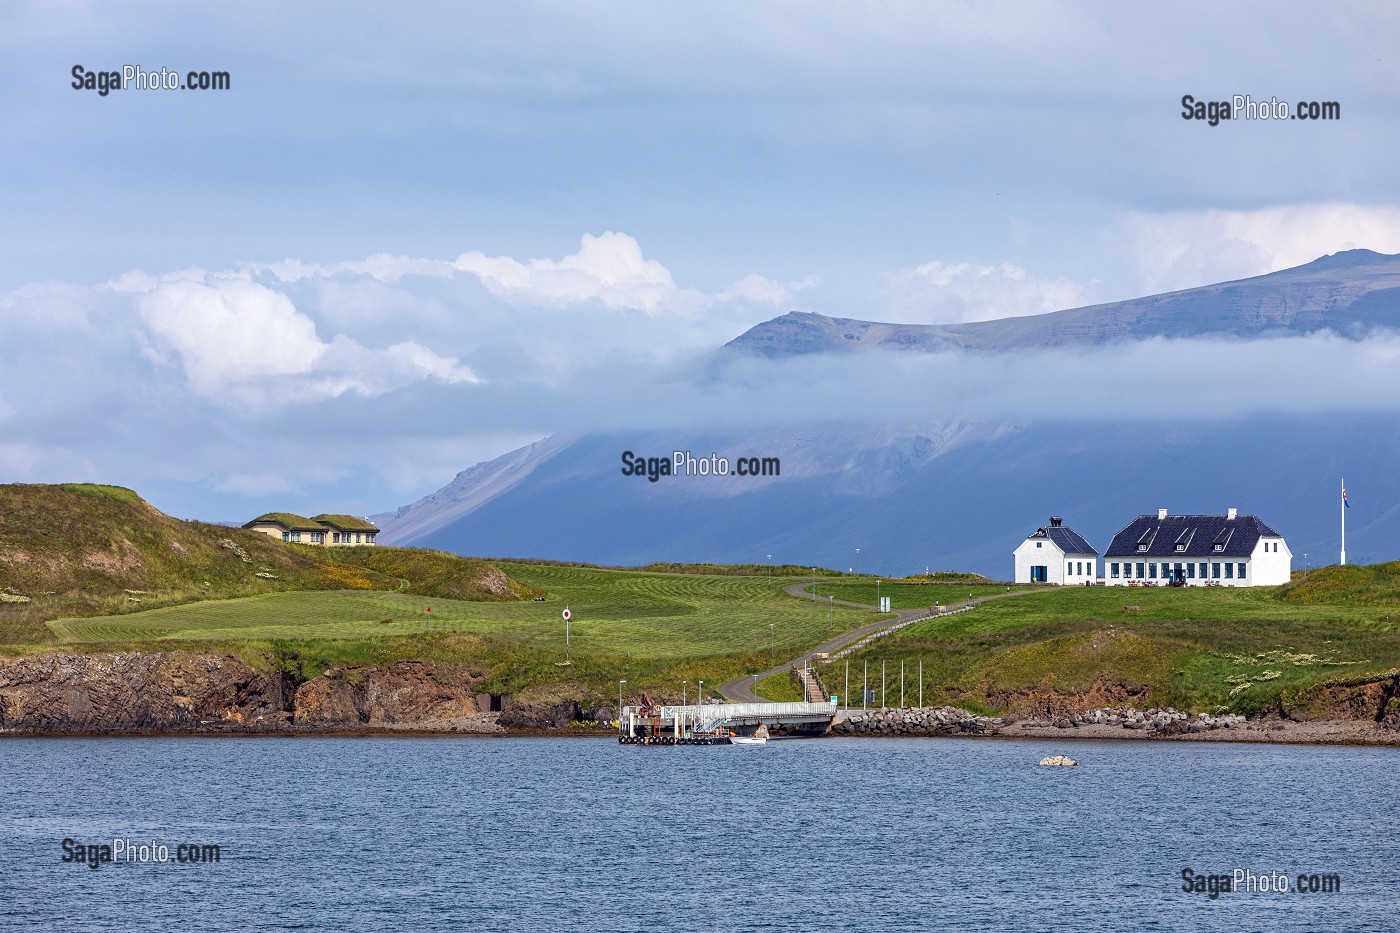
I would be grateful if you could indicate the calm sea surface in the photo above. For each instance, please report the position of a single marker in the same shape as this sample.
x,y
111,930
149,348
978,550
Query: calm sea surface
x,y
571,834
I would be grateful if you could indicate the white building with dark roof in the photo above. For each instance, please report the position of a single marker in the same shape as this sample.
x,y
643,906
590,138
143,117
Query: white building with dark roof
x,y
1056,554
1198,550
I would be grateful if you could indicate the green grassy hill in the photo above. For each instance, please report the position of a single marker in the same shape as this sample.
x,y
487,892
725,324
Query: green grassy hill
x,y
1248,650
88,550
95,568
1372,585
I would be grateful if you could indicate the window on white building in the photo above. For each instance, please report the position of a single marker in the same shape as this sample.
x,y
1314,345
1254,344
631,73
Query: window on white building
x,y
1113,570
1240,572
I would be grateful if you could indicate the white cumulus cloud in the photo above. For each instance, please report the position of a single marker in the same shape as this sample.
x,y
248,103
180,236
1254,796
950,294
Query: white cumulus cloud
x,y
245,343
1183,249
608,268
939,292
230,331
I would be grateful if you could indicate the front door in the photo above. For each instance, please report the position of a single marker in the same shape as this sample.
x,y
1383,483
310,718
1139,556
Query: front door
x,y
1040,574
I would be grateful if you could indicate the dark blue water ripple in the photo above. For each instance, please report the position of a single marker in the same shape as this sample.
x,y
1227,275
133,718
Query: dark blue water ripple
x,y
587,835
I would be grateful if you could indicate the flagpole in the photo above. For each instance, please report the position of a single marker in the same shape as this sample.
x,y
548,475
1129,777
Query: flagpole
x,y
1344,521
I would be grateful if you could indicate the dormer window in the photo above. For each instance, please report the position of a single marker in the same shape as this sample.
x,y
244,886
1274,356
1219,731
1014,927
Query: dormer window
x,y
1143,546
1219,547
1180,548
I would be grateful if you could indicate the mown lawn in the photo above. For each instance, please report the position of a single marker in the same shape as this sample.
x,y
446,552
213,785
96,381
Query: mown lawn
x,y
906,595
615,612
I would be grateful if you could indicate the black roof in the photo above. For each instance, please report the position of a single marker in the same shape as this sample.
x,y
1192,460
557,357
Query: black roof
x,y
1190,536
1065,539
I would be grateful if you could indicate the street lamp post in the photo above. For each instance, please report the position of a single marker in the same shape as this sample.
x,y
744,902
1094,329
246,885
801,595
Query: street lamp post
x,y
770,569
830,613
700,694
878,605
772,640
857,561
619,700
683,686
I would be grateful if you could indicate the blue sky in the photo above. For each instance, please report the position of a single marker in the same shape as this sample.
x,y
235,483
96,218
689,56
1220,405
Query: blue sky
x,y
570,200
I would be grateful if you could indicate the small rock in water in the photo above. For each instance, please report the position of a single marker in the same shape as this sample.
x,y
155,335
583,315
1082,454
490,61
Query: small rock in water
x,y
1064,760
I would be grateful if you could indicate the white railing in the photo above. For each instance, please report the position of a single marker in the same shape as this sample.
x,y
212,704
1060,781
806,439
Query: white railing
x,y
713,716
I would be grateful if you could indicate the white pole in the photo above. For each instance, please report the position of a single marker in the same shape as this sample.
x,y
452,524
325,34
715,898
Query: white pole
x,y
1344,521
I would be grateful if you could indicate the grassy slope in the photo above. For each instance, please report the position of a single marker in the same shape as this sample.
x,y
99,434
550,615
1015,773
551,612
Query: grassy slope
x,y
1243,649
615,612
906,595
86,550
77,551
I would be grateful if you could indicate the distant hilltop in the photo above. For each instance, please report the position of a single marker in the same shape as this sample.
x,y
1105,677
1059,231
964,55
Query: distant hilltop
x,y
951,488
1351,293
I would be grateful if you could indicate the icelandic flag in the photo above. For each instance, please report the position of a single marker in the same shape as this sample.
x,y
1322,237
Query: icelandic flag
x,y
1344,498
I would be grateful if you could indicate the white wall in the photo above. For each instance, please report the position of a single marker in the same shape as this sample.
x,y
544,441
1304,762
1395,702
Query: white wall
x,y
1261,568
1048,554
1055,562
1271,567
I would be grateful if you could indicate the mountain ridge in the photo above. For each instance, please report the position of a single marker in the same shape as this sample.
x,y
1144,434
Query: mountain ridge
x,y
952,492
1350,293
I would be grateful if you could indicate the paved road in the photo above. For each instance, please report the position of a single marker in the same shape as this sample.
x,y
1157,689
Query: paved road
x,y
741,690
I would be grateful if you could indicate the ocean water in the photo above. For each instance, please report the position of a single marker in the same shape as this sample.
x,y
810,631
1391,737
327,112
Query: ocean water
x,y
588,835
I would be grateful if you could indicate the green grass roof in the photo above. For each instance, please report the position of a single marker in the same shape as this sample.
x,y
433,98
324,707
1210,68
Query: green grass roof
x,y
290,520
346,522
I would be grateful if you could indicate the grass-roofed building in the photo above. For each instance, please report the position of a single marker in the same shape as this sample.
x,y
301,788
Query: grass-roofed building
x,y
323,530
297,529
347,529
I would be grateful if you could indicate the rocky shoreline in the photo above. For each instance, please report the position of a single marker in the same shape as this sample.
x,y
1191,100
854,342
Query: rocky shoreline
x,y
941,720
1118,723
178,693
189,694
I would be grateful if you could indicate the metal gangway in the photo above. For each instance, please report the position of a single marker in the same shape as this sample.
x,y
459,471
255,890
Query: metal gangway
x,y
680,723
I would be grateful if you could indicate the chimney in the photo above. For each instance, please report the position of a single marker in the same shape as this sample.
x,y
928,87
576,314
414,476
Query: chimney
x,y
1055,521
1231,513
1161,514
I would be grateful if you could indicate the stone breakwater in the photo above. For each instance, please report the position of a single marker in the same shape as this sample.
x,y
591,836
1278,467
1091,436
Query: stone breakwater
x,y
939,720
1154,721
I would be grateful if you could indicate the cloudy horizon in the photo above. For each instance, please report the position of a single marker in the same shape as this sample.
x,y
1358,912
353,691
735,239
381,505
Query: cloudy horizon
x,y
391,259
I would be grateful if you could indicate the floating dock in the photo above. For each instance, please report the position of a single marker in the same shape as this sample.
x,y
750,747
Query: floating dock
x,y
711,723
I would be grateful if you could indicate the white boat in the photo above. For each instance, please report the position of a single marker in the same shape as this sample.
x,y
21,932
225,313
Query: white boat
x,y
760,737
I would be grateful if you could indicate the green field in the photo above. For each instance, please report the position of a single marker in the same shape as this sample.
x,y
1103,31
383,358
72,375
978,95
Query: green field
x,y
615,612
906,595
96,569
1243,649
